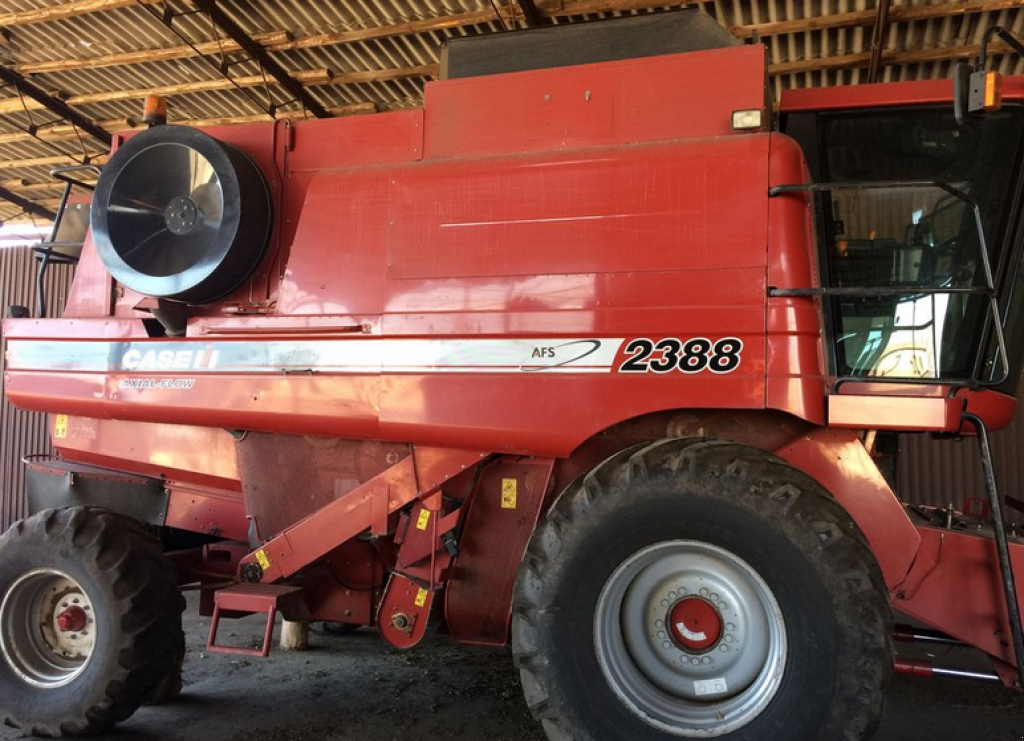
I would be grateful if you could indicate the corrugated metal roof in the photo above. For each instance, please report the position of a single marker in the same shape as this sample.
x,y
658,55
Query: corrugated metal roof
x,y
393,45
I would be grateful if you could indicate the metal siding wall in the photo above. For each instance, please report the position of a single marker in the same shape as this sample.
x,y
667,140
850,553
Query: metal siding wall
x,y
938,472
23,433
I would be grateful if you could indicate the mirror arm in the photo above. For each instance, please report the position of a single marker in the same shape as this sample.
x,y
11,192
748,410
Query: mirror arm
x,y
1003,34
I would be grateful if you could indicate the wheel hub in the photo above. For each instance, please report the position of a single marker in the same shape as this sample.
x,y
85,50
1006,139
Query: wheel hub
x,y
690,638
72,620
47,628
695,624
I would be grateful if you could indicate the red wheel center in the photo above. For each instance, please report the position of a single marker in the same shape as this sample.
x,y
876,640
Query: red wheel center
x,y
695,624
72,620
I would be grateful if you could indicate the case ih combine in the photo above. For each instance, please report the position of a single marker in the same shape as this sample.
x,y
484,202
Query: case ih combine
x,y
596,359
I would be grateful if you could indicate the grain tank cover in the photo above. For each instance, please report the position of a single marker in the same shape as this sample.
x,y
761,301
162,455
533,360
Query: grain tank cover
x,y
649,35
179,215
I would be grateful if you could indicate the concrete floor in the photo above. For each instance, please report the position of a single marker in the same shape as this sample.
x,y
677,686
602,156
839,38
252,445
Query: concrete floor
x,y
349,688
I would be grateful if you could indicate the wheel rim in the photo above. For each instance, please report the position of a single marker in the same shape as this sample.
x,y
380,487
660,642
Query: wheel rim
x,y
47,628
690,638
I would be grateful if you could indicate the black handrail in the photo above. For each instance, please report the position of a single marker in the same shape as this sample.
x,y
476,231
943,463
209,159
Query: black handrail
x,y
1002,547
45,249
988,290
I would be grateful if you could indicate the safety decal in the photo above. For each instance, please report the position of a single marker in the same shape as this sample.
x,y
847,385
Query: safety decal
x,y
421,597
262,560
60,426
509,493
685,356
424,519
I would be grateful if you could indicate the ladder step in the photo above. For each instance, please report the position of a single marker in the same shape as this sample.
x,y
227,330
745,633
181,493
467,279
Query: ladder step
x,y
249,599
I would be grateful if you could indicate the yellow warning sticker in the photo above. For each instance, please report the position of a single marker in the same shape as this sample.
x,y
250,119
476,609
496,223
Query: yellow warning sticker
x,y
261,557
421,597
424,519
509,493
60,426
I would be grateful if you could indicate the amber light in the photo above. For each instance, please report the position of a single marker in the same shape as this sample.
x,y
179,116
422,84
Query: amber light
x,y
993,91
154,110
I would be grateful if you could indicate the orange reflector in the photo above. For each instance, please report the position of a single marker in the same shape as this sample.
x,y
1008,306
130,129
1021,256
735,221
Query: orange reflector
x,y
154,110
993,91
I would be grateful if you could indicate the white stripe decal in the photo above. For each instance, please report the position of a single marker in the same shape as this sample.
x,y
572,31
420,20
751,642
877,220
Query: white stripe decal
x,y
563,355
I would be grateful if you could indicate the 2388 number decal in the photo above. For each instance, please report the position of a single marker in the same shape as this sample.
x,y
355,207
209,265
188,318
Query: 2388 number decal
x,y
687,356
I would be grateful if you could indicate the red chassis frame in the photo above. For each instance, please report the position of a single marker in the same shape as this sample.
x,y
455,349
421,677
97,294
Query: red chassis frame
x,y
401,232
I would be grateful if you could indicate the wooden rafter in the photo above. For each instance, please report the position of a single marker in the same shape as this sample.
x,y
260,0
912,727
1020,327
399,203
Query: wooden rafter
x,y
312,77
853,19
169,53
61,132
65,10
861,60
882,17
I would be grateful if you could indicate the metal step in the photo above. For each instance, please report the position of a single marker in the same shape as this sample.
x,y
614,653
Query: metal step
x,y
251,599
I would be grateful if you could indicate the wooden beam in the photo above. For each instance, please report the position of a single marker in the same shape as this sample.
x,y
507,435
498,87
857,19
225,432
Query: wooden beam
x,y
861,60
801,25
860,18
841,61
63,132
907,13
425,25
36,162
356,109
66,10
376,75
878,32
170,53
310,77
29,189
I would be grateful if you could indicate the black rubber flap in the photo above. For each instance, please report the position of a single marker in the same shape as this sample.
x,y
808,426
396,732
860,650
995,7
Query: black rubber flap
x,y
179,215
672,32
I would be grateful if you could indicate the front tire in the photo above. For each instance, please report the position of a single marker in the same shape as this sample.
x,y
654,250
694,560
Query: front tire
x,y
692,589
90,621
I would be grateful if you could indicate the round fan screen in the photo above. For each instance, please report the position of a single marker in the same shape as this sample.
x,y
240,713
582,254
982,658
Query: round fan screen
x,y
180,215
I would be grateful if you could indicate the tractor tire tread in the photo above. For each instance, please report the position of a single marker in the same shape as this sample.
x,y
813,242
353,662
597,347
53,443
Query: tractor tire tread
x,y
143,586
860,694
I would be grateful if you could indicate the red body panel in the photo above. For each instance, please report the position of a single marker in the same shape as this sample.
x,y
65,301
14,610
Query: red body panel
x,y
883,95
839,462
385,237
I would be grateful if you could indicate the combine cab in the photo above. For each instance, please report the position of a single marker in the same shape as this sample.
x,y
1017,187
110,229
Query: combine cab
x,y
598,358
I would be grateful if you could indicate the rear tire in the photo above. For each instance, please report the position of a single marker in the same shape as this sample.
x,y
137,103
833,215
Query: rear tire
x,y
90,621
799,622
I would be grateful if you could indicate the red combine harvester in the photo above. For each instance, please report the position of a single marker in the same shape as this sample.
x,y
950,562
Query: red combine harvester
x,y
600,359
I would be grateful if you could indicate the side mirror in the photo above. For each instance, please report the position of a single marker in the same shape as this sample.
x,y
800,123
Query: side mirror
x,y
975,92
961,91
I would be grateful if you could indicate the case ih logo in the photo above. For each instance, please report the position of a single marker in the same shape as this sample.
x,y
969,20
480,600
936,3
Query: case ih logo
x,y
169,360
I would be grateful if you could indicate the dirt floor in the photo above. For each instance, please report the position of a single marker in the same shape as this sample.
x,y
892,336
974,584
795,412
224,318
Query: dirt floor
x,y
349,688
